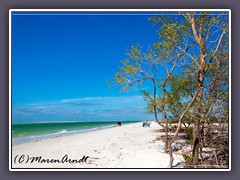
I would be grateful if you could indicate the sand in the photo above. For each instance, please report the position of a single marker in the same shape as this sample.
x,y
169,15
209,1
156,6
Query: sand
x,y
128,146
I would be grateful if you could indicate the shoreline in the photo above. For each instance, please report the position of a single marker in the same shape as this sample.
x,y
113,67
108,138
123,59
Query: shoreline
x,y
62,132
127,146
41,137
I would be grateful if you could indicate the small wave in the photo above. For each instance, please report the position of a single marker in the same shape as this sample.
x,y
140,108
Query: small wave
x,y
21,139
62,131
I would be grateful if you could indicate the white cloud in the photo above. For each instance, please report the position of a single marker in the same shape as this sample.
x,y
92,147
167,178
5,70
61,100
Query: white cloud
x,y
86,108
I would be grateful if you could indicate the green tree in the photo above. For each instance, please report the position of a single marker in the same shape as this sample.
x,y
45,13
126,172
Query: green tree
x,y
137,69
192,51
207,35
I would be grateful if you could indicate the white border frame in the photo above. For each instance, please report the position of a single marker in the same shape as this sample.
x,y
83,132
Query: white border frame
x,y
110,10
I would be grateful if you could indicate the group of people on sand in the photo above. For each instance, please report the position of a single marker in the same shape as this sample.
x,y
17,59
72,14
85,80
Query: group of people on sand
x,y
146,123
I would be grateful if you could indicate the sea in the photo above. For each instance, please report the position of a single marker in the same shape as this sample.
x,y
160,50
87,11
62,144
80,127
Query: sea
x,y
24,132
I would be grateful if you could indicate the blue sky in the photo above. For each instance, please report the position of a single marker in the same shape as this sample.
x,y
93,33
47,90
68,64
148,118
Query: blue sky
x,y
60,64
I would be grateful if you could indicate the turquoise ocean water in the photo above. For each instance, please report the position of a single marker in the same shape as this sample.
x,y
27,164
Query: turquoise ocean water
x,y
24,132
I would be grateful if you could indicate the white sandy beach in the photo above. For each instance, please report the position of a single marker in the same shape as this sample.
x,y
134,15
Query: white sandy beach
x,y
128,146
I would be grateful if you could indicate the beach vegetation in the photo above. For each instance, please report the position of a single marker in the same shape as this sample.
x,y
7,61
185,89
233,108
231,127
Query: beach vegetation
x,y
187,158
192,55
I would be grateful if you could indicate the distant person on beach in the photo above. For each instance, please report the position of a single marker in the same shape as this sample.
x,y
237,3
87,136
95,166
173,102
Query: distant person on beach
x,y
119,123
146,123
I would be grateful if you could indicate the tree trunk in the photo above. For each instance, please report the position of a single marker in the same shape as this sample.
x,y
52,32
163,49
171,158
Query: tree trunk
x,y
170,154
166,134
204,136
196,128
196,144
155,102
201,75
155,99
